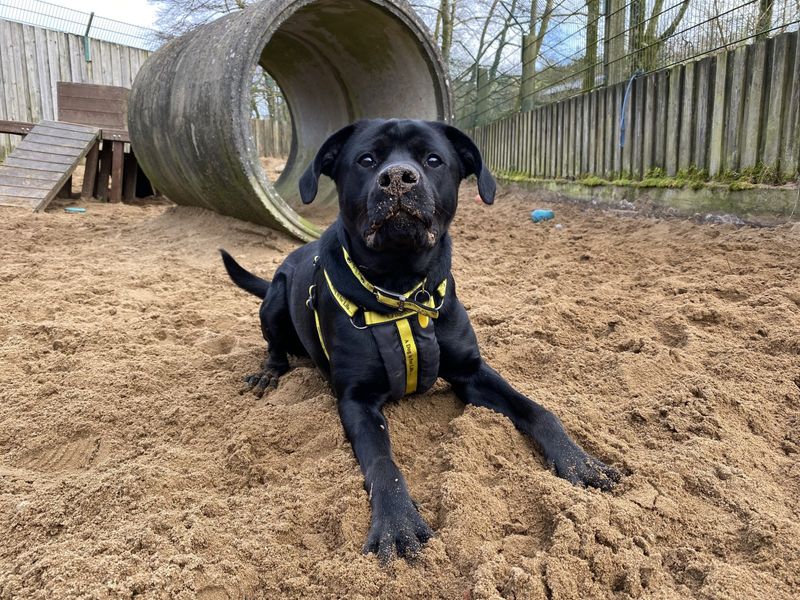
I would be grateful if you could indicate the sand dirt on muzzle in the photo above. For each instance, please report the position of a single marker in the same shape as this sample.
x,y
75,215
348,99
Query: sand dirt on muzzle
x,y
131,466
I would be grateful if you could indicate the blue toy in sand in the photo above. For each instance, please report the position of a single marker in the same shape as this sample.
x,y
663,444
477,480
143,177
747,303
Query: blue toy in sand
x,y
541,214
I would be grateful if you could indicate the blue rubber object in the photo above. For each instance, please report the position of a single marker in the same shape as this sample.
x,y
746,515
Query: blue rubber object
x,y
541,214
74,209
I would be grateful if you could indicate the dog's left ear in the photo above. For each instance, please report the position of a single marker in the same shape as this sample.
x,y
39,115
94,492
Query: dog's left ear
x,y
471,160
323,163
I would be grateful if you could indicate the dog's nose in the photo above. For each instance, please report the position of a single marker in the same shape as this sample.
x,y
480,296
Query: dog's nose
x,y
396,180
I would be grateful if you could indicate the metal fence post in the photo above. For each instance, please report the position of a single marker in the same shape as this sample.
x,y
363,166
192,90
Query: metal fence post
x,y
87,51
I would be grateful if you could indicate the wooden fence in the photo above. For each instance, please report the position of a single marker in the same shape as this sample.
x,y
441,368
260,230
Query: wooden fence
x,y
273,138
723,113
33,60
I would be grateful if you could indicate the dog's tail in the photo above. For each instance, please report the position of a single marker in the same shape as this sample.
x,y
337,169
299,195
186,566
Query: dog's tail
x,y
244,278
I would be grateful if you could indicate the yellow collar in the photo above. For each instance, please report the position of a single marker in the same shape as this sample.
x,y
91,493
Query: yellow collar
x,y
417,299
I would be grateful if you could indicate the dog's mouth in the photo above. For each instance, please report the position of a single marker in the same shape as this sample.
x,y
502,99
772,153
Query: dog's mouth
x,y
402,225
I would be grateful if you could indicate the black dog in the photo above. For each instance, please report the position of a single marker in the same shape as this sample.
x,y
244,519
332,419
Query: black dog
x,y
373,303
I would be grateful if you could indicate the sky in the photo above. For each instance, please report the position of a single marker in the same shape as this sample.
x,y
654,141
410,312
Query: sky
x,y
135,12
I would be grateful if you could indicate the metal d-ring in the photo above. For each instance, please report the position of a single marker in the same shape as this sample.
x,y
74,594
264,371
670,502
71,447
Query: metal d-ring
x,y
356,326
422,291
429,296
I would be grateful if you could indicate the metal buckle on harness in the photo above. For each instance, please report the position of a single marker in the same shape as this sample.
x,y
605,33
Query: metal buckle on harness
x,y
379,291
311,301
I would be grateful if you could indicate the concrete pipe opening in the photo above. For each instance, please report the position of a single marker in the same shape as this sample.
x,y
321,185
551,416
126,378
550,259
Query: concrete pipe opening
x,y
335,61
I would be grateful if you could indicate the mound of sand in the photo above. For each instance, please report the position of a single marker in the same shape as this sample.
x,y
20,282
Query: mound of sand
x,y
131,466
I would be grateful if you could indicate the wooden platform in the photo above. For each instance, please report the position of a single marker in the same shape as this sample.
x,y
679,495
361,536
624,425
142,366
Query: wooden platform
x,y
41,164
104,106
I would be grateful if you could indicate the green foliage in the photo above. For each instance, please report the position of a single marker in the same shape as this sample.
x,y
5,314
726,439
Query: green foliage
x,y
513,176
739,185
655,173
592,181
764,174
660,182
759,174
623,182
691,177
693,174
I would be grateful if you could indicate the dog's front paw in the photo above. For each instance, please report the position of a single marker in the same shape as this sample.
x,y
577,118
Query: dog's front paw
x,y
271,370
397,533
262,381
579,468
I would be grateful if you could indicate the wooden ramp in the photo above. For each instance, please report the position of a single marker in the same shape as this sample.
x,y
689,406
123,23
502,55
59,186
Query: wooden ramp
x,y
41,164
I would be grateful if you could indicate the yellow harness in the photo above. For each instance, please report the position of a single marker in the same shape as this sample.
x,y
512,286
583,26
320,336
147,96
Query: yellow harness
x,y
415,302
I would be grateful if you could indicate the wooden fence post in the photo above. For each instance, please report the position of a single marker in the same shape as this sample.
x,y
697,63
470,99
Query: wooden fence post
x,y
716,155
754,103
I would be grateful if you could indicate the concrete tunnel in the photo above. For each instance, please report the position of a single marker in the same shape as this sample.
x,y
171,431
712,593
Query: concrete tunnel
x,y
335,61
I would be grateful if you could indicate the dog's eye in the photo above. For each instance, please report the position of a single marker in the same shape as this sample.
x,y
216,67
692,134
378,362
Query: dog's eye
x,y
433,161
367,161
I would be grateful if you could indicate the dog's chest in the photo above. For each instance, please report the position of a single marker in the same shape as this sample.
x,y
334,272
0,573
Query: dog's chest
x,y
410,354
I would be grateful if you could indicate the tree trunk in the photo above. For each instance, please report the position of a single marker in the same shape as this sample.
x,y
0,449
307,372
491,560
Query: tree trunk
x,y
616,67
651,42
447,11
531,46
590,67
482,105
635,33
764,23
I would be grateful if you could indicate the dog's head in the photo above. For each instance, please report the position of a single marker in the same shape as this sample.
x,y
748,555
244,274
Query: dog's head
x,y
397,180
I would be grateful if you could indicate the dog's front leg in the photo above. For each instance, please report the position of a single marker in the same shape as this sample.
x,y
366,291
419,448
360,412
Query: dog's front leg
x,y
475,382
397,527
486,388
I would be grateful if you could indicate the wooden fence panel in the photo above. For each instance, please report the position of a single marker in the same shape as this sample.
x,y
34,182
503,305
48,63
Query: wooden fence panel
x,y
754,102
716,156
608,152
790,136
649,113
553,141
734,110
558,146
673,118
703,114
530,147
660,134
687,119
626,129
637,147
777,96
575,138
532,143
570,144
600,127
274,139
619,92
34,59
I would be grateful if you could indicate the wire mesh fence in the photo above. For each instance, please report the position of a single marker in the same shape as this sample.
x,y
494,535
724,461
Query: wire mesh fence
x,y
68,20
509,55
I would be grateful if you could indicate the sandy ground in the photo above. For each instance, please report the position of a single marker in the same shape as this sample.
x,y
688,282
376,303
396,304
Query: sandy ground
x,y
273,166
131,466
321,215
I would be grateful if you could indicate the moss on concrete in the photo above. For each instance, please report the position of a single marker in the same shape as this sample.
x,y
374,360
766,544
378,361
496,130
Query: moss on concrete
x,y
692,178
679,196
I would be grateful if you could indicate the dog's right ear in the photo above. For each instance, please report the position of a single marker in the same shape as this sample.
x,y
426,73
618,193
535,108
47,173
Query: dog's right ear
x,y
471,160
323,163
